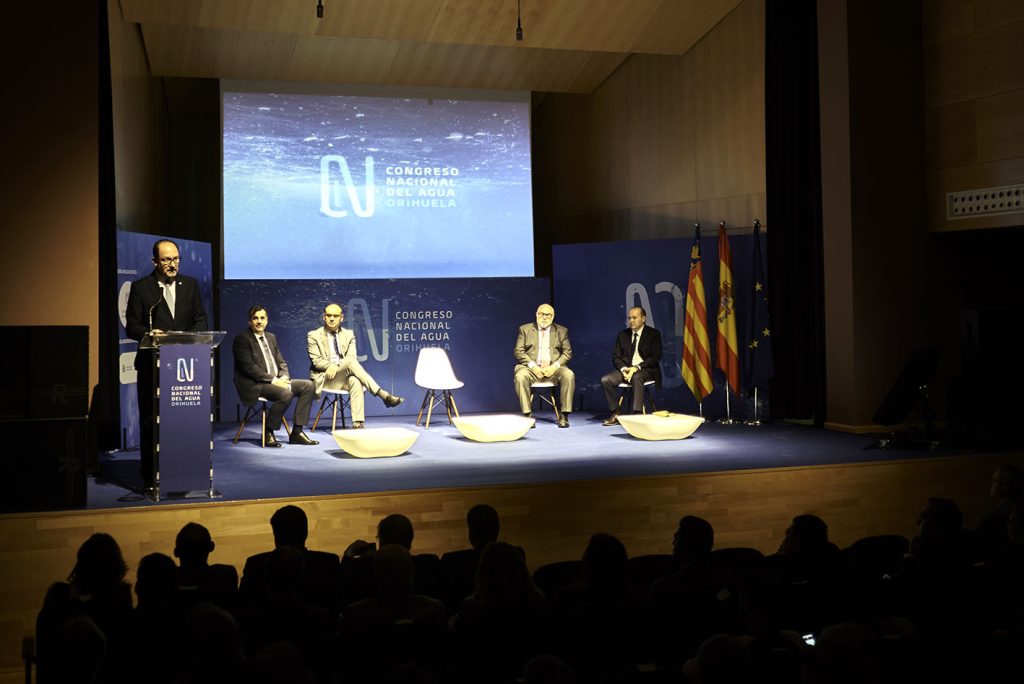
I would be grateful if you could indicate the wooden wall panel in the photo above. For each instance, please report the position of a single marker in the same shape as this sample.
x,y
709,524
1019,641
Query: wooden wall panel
x,y
974,92
551,521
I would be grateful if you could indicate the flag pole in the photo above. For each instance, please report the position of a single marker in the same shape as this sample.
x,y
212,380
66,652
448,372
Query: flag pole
x,y
728,414
756,422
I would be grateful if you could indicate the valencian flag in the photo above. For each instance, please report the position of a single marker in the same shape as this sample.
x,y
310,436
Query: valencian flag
x,y
727,346
760,367
696,350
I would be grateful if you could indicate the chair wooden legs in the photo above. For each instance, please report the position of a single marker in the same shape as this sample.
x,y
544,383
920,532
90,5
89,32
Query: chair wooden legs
x,y
430,400
250,413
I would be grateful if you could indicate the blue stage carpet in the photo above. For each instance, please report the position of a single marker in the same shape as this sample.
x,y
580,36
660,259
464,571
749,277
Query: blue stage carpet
x,y
442,458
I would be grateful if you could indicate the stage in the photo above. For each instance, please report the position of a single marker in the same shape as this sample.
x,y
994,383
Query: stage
x,y
443,458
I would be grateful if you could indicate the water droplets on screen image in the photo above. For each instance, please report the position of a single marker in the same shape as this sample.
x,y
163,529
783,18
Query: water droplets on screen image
x,y
363,184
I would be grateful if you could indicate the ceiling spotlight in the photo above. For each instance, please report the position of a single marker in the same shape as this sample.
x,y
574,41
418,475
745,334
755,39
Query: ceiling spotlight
x,y
319,9
519,20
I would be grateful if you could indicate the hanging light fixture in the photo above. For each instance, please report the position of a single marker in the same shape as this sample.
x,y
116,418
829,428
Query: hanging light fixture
x,y
319,9
519,20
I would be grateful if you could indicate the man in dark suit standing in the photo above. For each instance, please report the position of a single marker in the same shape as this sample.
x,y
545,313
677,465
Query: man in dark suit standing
x,y
163,300
261,371
542,353
637,358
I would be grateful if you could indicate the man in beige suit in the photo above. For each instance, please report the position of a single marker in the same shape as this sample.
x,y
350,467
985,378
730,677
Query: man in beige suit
x,y
542,353
333,364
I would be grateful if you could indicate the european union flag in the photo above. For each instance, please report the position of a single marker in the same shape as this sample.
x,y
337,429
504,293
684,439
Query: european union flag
x,y
759,366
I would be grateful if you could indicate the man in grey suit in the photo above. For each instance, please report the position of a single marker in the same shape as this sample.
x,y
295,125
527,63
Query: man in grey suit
x,y
333,363
542,353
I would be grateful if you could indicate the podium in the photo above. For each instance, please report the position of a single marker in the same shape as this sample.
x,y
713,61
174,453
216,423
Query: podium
x,y
183,433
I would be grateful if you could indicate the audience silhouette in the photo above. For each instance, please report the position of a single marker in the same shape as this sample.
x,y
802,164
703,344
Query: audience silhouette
x,y
947,604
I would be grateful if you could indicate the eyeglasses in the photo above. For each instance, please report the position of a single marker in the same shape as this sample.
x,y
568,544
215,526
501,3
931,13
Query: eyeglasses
x,y
167,261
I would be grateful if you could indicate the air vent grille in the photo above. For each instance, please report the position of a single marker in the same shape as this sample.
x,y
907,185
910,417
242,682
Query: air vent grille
x,y
1008,199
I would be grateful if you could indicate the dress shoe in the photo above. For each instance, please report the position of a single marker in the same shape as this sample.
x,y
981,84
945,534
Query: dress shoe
x,y
271,441
390,400
357,425
563,420
611,420
299,437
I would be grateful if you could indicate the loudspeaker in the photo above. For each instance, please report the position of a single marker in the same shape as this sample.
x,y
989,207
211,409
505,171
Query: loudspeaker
x,y
43,468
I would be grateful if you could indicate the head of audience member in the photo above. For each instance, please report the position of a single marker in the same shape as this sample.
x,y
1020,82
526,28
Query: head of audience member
x,y
1007,483
483,524
258,319
693,540
847,652
502,578
82,646
605,561
166,259
547,669
285,568
193,545
333,316
290,526
1015,524
940,534
394,572
721,659
395,529
805,534
636,317
156,581
213,642
545,316
99,565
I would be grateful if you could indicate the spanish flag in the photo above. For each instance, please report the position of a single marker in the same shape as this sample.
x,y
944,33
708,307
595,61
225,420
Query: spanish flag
x,y
696,350
727,347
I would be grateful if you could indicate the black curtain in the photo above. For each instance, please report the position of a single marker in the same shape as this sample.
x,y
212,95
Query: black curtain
x,y
794,244
104,414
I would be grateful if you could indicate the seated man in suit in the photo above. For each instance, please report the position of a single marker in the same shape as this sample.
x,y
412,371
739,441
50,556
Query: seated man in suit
x,y
542,352
637,358
261,371
334,363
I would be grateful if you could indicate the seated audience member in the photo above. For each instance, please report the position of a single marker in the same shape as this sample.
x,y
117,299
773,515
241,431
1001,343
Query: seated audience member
x,y
198,581
397,626
213,645
319,585
503,624
334,364
600,619
261,371
95,597
459,567
721,659
1006,490
285,617
357,568
684,607
157,630
547,669
807,563
776,652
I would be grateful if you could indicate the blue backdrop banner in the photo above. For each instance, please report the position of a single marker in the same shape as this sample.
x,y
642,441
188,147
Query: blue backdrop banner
x,y
596,283
135,260
473,319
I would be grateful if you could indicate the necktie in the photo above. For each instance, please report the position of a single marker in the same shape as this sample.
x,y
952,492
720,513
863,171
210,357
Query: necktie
x,y
268,357
337,349
169,297
634,357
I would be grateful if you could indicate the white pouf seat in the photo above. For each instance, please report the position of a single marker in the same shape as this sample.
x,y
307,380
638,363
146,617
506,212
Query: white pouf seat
x,y
375,442
660,425
497,428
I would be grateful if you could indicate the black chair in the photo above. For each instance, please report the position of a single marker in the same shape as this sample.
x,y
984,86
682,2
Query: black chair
x,y
551,577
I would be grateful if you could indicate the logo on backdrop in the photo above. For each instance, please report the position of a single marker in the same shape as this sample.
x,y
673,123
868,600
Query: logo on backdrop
x,y
412,329
405,186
